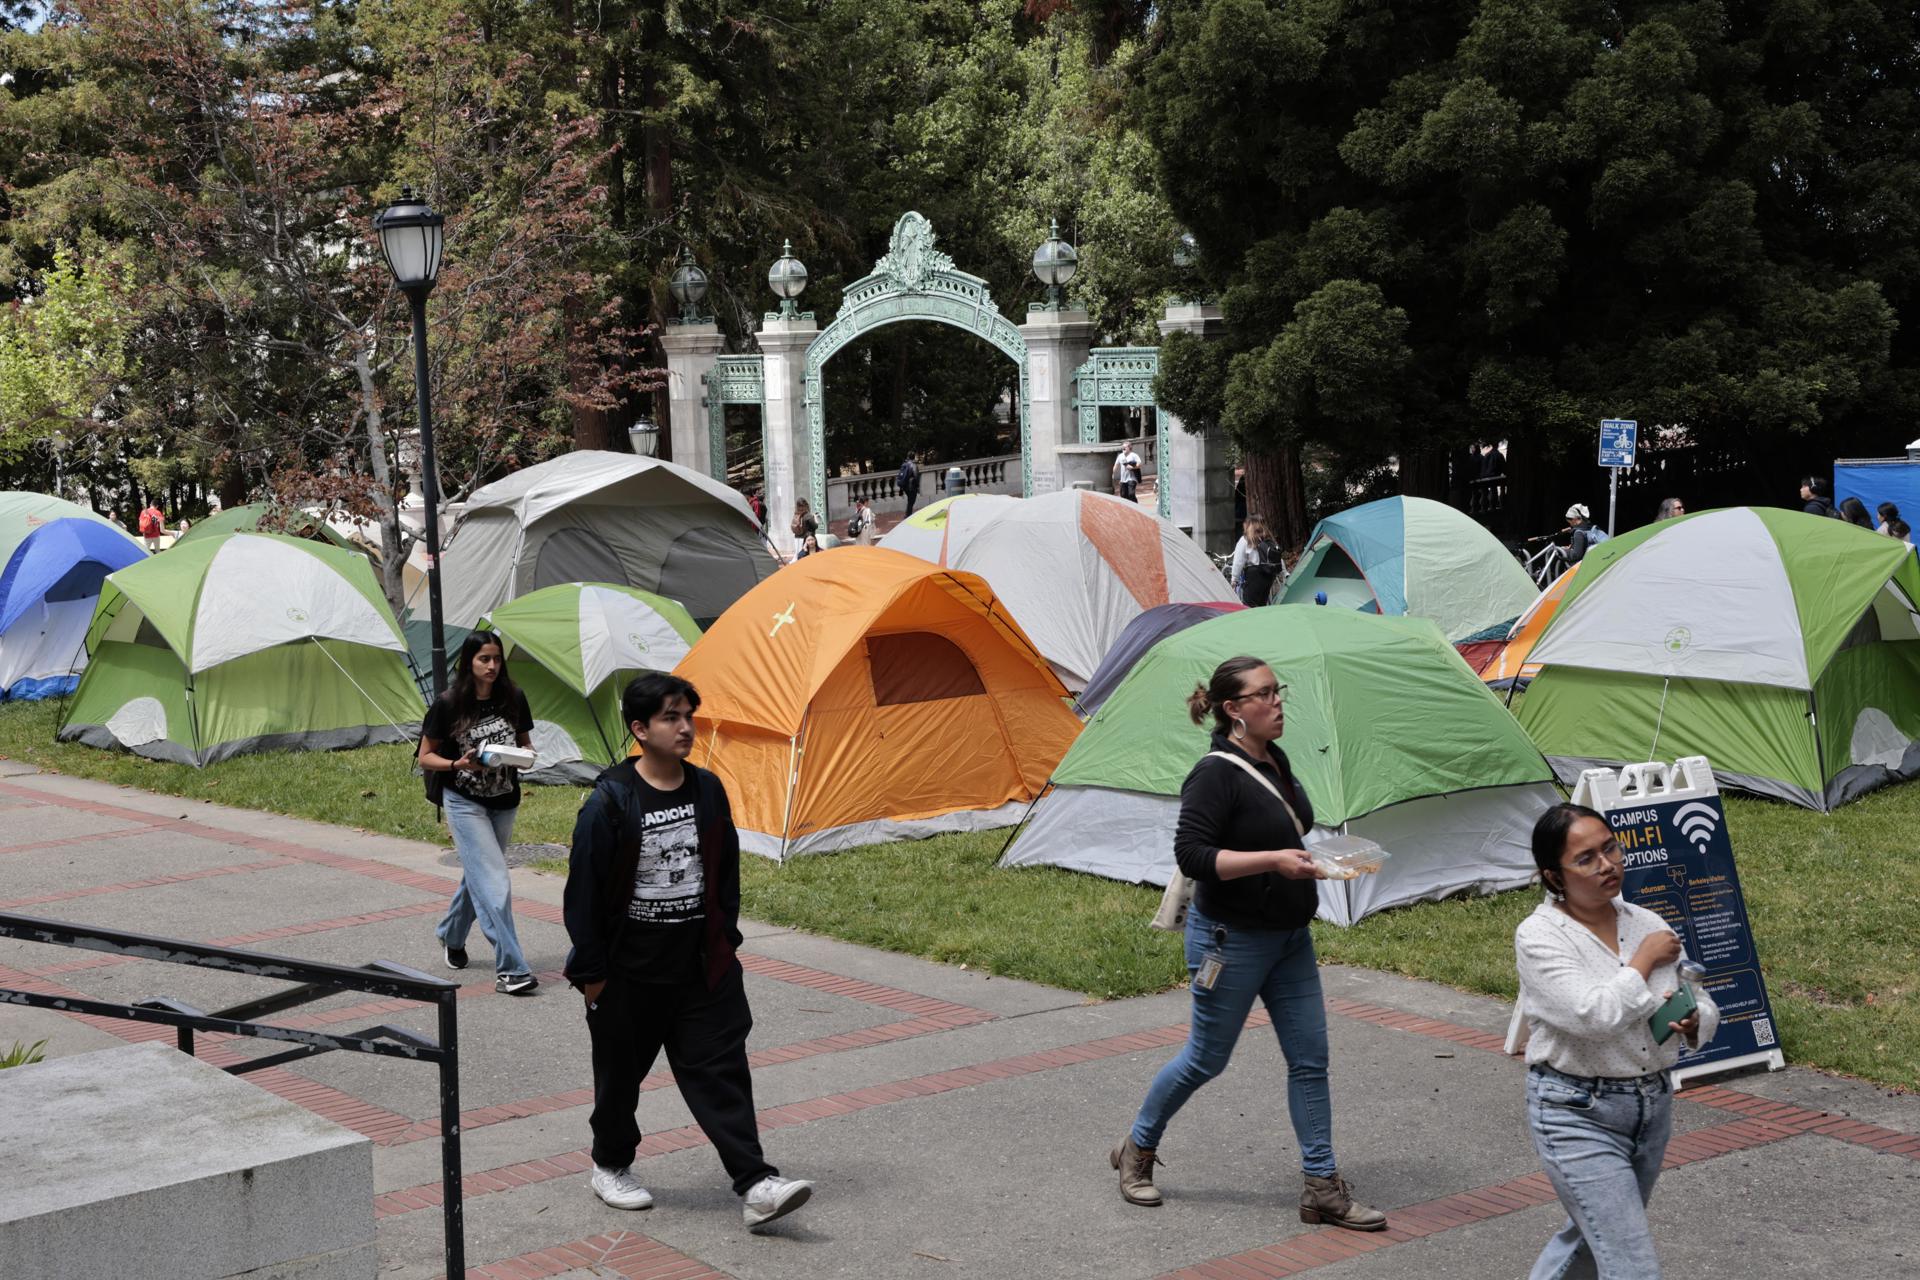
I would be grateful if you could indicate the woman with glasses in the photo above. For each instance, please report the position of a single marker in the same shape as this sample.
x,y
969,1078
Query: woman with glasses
x,y
1596,975
1243,817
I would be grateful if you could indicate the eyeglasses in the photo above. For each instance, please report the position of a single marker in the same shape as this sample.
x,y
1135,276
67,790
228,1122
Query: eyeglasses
x,y
1274,693
1593,861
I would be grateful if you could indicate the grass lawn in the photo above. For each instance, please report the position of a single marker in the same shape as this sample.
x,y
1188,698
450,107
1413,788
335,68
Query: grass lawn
x,y
1832,897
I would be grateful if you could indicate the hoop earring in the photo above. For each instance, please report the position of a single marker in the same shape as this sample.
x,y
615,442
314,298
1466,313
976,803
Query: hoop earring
x,y
1239,728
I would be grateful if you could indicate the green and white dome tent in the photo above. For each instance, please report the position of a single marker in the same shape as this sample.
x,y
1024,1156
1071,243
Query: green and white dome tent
x,y
1392,736
571,649
1782,646
240,643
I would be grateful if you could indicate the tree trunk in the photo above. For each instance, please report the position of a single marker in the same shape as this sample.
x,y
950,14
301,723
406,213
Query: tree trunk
x,y
1423,473
394,545
1275,490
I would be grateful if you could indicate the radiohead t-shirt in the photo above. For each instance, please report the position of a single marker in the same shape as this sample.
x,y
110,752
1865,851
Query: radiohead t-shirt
x,y
492,722
665,918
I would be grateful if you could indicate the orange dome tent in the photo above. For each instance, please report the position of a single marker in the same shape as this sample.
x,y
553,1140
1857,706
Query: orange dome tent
x,y
1510,664
865,695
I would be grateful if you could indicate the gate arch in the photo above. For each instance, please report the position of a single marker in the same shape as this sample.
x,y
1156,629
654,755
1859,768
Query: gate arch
x,y
913,281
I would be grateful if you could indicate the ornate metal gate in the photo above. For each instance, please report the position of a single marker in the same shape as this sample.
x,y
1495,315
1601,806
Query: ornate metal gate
x,y
1122,378
734,380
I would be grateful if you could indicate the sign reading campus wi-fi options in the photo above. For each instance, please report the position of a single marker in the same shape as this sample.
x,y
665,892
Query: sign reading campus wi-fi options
x,y
1679,863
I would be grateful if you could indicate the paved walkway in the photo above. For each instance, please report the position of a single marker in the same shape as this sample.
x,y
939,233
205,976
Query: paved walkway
x,y
957,1125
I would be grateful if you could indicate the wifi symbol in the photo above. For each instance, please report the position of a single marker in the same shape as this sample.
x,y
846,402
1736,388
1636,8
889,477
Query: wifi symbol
x,y
1697,823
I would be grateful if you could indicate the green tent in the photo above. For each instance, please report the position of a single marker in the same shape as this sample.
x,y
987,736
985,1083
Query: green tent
x,y
1784,647
571,649
1416,557
266,517
1390,733
243,642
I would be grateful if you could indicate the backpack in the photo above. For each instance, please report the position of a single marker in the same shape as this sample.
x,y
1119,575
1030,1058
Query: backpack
x,y
909,475
855,525
150,523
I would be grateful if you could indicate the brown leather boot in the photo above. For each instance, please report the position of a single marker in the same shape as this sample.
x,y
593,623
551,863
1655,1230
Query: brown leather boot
x,y
1329,1200
1136,1173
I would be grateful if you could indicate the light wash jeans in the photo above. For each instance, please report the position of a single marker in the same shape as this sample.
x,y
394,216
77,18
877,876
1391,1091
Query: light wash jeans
x,y
480,837
1601,1142
1277,966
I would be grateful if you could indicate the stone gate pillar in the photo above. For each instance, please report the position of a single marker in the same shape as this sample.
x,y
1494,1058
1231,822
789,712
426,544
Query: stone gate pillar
x,y
783,362
1057,344
690,349
1197,468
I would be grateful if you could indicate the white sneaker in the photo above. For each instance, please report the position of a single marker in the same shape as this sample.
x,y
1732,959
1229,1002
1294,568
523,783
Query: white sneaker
x,y
772,1198
619,1188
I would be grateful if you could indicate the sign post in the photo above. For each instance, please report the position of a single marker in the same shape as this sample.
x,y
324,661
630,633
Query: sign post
x,y
1619,438
1679,865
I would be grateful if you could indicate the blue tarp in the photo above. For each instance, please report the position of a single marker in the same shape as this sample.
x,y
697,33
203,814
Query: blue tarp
x,y
61,560
1894,480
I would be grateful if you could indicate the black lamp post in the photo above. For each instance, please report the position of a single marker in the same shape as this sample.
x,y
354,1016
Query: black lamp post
x,y
410,237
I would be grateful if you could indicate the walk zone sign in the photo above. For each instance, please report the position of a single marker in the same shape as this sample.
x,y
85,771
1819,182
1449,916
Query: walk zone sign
x,y
1679,865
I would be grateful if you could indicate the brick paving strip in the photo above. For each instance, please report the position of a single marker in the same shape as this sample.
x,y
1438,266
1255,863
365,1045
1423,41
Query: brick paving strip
x,y
627,1254
154,882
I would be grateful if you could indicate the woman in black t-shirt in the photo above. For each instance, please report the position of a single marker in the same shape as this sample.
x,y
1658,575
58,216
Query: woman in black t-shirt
x,y
482,709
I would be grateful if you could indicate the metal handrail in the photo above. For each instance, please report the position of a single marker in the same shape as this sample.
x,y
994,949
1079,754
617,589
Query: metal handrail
x,y
317,980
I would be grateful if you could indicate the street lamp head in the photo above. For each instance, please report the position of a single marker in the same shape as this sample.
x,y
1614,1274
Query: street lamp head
x,y
644,436
1186,250
1055,263
688,285
787,277
410,237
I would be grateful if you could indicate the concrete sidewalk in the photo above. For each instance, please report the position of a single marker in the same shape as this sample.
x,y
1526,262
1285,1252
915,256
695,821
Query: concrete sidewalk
x,y
957,1125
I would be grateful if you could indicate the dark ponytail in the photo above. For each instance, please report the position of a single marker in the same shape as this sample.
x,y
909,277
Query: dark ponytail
x,y
1225,686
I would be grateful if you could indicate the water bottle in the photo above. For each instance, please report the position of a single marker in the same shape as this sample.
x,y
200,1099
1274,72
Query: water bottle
x,y
1693,973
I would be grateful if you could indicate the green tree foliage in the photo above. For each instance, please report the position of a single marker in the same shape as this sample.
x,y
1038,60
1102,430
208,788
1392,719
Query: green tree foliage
x,y
1441,222
64,347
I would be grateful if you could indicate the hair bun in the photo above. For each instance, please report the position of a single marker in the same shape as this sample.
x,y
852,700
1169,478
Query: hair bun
x,y
1199,705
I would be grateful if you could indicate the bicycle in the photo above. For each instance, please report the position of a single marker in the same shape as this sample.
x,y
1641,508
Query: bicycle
x,y
1544,565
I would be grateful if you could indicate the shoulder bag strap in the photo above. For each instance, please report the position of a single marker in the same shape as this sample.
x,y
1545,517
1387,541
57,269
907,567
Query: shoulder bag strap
x,y
1264,781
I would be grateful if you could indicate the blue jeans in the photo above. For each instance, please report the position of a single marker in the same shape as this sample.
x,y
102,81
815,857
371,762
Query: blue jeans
x,y
1601,1142
480,837
1279,967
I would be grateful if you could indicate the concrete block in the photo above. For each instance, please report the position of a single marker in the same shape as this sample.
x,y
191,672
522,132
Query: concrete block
x,y
142,1161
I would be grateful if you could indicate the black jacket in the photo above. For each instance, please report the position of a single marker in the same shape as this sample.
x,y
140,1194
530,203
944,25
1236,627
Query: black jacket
x,y
1222,808
606,854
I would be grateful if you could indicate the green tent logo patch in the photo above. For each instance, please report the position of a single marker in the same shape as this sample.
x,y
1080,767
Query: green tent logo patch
x,y
1678,640
296,614
633,638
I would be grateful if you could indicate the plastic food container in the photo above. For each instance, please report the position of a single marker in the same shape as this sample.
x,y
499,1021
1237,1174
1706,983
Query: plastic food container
x,y
518,757
1344,857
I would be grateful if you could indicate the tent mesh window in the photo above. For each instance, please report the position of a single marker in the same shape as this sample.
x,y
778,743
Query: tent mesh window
x,y
1865,631
919,666
705,570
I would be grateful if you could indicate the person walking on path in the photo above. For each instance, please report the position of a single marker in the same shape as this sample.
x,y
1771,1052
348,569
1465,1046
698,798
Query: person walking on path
x,y
1671,509
482,708
652,903
1257,563
153,526
1585,536
1126,473
1242,818
910,481
1596,974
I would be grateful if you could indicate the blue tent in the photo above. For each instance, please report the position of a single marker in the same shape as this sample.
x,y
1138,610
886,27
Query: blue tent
x,y
1144,632
47,594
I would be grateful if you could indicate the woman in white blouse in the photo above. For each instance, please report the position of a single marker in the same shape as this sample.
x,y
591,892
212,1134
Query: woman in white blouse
x,y
1593,972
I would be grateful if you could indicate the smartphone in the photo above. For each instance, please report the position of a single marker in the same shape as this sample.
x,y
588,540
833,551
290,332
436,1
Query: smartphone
x,y
1680,1005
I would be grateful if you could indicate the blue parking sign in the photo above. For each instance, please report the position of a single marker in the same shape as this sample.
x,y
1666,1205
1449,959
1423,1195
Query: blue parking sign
x,y
1618,439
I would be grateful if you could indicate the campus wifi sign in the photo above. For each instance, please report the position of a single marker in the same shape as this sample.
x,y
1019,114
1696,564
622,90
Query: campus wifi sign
x,y
1679,864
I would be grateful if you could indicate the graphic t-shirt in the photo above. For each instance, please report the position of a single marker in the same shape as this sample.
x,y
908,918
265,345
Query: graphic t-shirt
x,y
667,914
493,723
1129,467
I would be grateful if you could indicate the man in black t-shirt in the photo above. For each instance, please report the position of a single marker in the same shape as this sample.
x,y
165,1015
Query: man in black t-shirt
x,y
653,907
